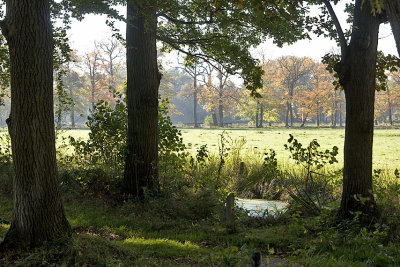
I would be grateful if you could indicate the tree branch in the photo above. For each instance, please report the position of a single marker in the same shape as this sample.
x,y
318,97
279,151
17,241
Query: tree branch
x,y
342,38
195,55
177,21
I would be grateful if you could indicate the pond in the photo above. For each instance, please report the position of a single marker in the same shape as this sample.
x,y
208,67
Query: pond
x,y
258,207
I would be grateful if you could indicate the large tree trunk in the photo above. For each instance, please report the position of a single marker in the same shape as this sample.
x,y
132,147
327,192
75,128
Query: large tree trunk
x,y
392,8
357,72
38,214
141,166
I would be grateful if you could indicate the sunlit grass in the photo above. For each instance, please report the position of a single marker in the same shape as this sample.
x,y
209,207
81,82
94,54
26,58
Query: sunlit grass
x,y
258,141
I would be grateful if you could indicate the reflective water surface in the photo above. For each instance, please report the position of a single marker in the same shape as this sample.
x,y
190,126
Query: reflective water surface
x,y
258,207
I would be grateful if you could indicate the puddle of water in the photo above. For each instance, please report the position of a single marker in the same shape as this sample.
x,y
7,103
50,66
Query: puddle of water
x,y
257,207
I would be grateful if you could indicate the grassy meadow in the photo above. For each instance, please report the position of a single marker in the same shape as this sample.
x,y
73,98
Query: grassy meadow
x,y
185,226
259,141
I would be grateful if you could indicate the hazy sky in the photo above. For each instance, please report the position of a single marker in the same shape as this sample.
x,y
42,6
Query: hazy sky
x,y
84,33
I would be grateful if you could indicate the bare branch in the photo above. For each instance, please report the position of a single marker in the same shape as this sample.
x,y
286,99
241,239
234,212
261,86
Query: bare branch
x,y
342,38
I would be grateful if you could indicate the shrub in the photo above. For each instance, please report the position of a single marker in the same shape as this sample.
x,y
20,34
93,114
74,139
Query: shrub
x,y
315,190
105,148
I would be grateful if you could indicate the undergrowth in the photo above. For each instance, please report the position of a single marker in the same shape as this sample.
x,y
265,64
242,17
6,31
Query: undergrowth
x,y
185,225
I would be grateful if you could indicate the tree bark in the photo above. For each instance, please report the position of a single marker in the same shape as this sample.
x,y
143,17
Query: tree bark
x,y
38,214
143,80
357,72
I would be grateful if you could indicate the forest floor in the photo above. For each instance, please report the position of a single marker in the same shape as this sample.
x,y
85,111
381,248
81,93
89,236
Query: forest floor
x,y
174,232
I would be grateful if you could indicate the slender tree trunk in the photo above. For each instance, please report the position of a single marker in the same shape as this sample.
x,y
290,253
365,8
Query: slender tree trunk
x,y
359,90
304,120
335,119
261,116
72,117
72,108
257,108
220,111
291,114
291,92
287,114
143,80
318,116
334,111
389,105
59,122
214,118
111,80
38,214
92,89
196,124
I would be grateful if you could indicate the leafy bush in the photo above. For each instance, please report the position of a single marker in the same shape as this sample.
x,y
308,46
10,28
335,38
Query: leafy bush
x,y
316,189
107,138
105,148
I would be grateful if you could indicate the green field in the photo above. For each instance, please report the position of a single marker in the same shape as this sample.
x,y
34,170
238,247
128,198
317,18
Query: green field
x,y
258,141
386,142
